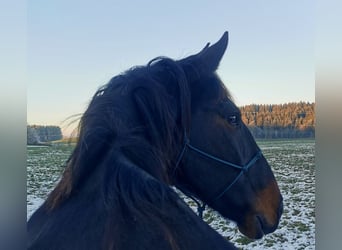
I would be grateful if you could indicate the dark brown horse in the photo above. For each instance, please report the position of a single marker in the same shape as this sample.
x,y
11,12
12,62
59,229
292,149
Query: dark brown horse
x,y
170,123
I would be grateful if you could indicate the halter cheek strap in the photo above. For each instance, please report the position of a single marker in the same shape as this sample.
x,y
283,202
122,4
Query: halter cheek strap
x,y
244,169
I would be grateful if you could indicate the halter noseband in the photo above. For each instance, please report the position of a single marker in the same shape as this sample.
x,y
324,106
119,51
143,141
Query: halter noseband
x,y
244,169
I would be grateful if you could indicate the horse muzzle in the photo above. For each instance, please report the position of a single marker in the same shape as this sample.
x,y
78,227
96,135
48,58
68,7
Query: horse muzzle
x,y
266,214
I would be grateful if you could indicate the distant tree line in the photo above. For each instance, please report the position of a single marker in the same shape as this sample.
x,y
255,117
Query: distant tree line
x,y
37,134
270,121
290,120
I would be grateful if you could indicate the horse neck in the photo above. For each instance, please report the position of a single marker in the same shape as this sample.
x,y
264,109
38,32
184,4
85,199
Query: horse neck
x,y
148,210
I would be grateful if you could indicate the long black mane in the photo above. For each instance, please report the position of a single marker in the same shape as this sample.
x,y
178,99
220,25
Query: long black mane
x,y
110,122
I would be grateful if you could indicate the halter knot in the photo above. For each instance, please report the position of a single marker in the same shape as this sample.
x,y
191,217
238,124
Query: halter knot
x,y
245,169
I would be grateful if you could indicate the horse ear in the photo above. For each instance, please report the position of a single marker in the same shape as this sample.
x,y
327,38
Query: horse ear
x,y
211,56
207,60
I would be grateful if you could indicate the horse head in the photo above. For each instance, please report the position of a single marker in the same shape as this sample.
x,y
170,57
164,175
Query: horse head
x,y
221,164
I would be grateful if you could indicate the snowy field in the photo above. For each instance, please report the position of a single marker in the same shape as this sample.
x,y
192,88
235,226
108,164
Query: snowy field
x,y
293,163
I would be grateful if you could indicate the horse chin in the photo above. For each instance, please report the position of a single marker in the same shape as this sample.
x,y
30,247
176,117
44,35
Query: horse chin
x,y
252,229
255,227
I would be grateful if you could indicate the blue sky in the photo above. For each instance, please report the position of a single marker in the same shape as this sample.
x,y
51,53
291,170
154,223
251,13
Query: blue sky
x,y
73,47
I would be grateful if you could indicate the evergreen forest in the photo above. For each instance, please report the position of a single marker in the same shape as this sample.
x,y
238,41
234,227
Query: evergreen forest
x,y
290,120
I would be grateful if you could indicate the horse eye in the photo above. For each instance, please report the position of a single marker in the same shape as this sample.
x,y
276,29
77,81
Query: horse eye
x,y
233,120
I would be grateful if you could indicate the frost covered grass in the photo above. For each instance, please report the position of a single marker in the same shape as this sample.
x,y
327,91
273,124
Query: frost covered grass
x,y
44,167
292,161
